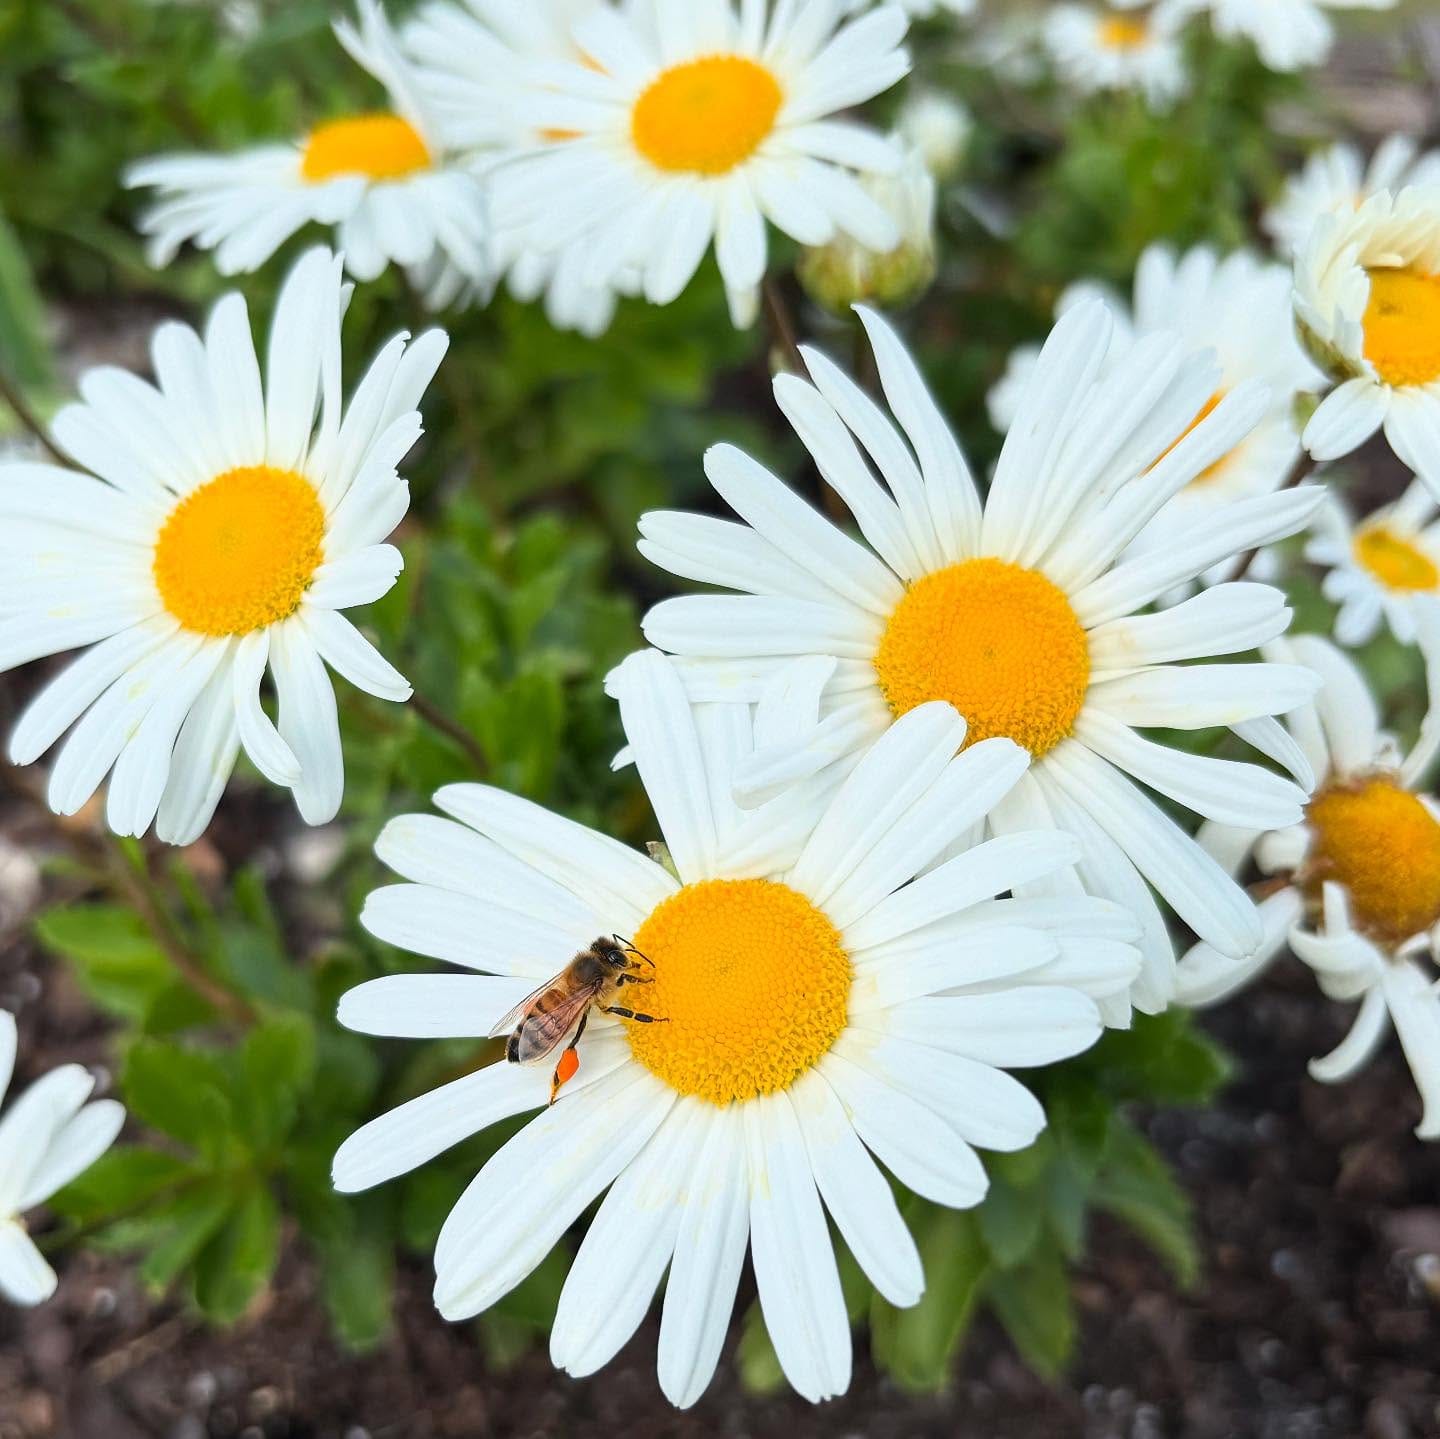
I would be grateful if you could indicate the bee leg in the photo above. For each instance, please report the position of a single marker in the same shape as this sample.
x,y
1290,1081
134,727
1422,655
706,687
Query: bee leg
x,y
569,1061
631,979
631,1014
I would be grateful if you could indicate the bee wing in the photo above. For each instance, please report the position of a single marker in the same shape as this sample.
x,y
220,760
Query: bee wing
x,y
507,1022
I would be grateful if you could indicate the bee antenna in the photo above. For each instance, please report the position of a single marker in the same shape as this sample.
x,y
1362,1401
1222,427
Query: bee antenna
x,y
630,949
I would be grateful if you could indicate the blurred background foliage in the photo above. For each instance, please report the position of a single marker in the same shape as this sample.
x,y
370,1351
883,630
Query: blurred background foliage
x,y
219,967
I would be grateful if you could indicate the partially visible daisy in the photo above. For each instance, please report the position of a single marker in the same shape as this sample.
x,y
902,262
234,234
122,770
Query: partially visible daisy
x,y
1336,180
918,9
1367,300
672,137
1382,568
1287,34
1356,888
1022,613
219,533
48,1137
385,179
938,126
1099,48
1240,308
809,1002
476,65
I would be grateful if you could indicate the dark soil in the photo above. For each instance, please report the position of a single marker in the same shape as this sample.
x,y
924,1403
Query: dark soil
x,y
1318,1316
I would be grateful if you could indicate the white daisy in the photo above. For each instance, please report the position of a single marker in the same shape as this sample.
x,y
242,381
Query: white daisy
x,y
1357,883
220,532
814,1003
939,127
1382,568
697,128
1020,613
387,180
1367,300
476,65
1097,48
1336,179
918,9
1240,308
1287,34
48,1137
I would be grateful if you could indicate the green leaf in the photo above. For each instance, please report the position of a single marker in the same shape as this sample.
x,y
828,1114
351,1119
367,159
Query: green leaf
x,y
1012,1219
24,352
237,1263
1136,1185
276,1062
182,1093
759,1365
121,1179
917,1346
183,1227
1032,1302
1162,1058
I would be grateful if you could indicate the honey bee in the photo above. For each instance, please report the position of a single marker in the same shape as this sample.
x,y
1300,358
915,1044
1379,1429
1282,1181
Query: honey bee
x,y
540,1022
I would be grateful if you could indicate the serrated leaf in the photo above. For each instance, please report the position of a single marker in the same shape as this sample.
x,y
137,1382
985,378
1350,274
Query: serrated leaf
x,y
1033,1303
121,1179
1136,1185
185,1226
237,1263
181,1092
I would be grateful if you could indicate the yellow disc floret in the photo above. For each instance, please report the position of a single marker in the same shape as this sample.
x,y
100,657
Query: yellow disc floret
x,y
383,146
751,983
1398,563
1383,845
999,642
1402,326
1123,32
707,116
238,553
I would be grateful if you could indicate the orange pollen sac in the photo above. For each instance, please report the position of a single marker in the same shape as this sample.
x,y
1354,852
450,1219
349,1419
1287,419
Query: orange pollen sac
x,y
381,146
239,552
705,117
1383,845
1000,642
751,987
1402,326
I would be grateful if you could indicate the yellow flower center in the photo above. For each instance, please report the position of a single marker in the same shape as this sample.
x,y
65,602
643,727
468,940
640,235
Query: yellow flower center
x,y
1402,326
384,147
998,641
1123,32
1394,560
752,982
707,116
238,553
1383,845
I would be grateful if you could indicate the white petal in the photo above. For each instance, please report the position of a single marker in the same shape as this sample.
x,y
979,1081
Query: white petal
x,y
25,1277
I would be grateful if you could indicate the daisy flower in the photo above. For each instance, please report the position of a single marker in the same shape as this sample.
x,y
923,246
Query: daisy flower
x,y
939,127
1367,301
1097,49
1336,179
385,179
1382,568
48,1137
1021,612
219,533
919,9
474,65
804,1002
1287,34
1240,308
698,127
1356,887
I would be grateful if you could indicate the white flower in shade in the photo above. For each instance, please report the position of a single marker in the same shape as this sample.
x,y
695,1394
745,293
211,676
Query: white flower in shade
x,y
1367,300
1240,308
1336,180
1098,48
1022,612
476,65
1382,568
698,127
1287,34
938,126
1356,888
48,1137
814,1003
221,531
386,180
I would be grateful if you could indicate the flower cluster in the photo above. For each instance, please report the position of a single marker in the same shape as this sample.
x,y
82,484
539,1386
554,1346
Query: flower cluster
x,y
948,777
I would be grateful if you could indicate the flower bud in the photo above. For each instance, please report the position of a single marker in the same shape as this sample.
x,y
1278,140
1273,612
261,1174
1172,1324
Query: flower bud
x,y
939,128
844,272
